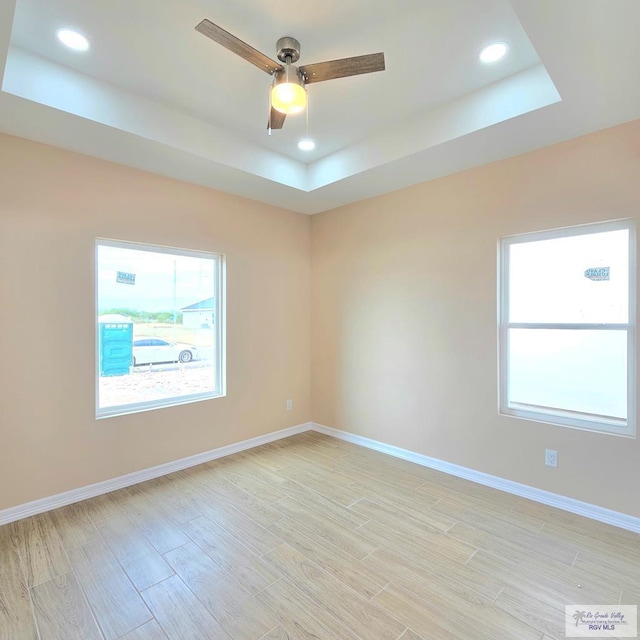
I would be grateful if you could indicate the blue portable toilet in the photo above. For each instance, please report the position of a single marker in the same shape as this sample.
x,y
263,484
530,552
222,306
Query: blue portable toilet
x,y
115,347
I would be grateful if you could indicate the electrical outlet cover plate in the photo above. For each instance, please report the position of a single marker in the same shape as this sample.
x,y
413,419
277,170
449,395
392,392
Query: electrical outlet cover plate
x,y
551,457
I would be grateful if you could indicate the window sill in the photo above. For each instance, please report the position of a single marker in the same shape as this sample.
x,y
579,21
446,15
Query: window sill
x,y
583,422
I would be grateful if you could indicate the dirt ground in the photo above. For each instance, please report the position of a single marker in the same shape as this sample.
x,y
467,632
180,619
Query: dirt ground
x,y
156,382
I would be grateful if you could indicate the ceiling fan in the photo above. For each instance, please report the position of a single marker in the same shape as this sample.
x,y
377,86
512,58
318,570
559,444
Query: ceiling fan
x,y
288,93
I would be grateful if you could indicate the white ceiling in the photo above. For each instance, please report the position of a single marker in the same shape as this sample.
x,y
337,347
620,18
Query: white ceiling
x,y
155,94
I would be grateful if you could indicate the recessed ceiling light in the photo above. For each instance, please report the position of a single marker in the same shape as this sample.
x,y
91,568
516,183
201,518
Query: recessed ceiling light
x,y
72,39
494,52
306,145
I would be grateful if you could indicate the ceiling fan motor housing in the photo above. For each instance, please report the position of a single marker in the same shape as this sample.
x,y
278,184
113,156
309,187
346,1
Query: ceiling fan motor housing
x,y
288,49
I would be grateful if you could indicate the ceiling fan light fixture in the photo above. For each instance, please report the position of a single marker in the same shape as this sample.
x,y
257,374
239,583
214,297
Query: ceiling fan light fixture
x,y
288,94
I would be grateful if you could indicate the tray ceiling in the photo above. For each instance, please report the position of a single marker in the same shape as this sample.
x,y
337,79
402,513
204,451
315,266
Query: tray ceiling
x,y
153,93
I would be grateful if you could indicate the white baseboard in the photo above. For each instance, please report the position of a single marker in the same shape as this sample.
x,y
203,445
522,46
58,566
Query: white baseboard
x,y
608,516
99,488
578,507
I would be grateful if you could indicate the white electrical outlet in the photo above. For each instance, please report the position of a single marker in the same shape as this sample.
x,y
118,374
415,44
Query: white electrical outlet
x,y
289,405
551,457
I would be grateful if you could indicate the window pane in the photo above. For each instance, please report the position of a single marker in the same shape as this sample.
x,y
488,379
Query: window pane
x,y
157,327
573,370
577,279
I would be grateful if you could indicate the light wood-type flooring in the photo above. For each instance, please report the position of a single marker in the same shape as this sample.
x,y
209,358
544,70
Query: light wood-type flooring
x,y
308,538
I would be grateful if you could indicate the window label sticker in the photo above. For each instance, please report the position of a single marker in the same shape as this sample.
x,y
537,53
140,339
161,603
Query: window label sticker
x,y
597,274
125,278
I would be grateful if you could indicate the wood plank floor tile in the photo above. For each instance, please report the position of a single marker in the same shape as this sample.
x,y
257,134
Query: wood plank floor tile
x,y
307,480
579,524
268,457
461,490
310,453
148,631
74,525
410,635
40,549
318,473
631,595
231,555
375,466
277,633
250,466
156,524
407,500
413,539
492,519
237,612
589,546
180,614
301,617
353,542
317,502
383,512
223,494
407,608
307,538
241,476
539,615
117,606
352,610
167,493
107,505
400,565
452,613
62,612
548,581
367,580
138,557
315,439
627,569
529,544
243,528
16,617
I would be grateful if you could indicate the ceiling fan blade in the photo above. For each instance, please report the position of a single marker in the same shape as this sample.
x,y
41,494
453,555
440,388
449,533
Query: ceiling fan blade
x,y
355,66
276,119
229,41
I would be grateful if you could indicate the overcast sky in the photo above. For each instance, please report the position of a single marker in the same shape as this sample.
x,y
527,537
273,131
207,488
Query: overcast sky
x,y
548,282
163,282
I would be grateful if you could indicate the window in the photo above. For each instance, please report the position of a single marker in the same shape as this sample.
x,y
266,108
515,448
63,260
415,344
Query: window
x,y
159,327
567,327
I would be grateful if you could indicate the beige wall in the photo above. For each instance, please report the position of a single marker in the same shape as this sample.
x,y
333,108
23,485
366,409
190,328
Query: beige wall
x,y
403,323
404,314
53,204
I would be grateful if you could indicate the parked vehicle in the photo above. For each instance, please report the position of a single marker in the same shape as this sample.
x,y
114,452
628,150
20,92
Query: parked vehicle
x,y
156,351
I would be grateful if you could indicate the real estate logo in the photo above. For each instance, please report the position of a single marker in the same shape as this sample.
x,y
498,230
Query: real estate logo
x,y
601,621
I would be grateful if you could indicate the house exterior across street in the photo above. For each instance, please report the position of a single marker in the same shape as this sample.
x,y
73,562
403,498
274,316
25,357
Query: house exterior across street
x,y
199,315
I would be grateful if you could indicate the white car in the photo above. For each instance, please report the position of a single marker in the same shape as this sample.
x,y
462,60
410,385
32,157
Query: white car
x,y
156,350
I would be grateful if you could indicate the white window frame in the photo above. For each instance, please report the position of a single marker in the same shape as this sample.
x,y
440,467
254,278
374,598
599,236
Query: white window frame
x,y
220,335
576,420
